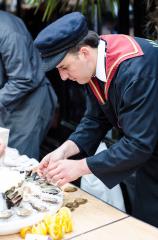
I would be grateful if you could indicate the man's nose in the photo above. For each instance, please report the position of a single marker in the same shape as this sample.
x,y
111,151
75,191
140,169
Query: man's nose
x,y
63,75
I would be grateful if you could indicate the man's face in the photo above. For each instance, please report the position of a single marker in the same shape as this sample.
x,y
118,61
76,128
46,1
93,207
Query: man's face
x,y
78,67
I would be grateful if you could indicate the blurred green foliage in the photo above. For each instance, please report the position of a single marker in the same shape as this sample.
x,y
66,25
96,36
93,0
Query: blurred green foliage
x,y
87,7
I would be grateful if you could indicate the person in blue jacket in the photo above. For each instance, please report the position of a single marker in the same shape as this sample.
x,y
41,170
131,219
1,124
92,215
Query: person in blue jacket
x,y
27,100
120,74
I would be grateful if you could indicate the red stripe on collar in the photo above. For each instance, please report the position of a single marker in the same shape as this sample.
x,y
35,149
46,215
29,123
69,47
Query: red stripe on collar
x,y
119,48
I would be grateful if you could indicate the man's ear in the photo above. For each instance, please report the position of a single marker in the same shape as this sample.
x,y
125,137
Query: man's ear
x,y
85,51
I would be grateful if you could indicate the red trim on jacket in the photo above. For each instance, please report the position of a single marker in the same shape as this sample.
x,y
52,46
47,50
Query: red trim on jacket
x,y
119,48
96,90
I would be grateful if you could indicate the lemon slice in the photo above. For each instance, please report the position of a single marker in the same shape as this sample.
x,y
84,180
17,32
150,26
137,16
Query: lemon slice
x,y
24,231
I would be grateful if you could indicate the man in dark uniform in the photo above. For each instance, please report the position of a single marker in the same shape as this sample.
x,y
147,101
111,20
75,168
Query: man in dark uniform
x,y
120,74
27,100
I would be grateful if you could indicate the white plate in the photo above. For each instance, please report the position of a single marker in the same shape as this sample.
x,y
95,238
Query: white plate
x,y
15,223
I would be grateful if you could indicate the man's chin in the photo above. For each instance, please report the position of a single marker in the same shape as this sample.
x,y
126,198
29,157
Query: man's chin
x,y
82,82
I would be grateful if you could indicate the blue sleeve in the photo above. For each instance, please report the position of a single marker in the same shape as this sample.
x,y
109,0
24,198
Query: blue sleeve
x,y
93,126
15,53
138,118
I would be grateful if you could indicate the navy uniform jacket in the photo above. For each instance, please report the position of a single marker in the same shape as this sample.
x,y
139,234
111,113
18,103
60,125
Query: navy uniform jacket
x,y
27,100
131,106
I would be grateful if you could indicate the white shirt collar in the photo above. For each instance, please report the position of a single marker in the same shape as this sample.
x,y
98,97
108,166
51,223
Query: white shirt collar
x,y
100,68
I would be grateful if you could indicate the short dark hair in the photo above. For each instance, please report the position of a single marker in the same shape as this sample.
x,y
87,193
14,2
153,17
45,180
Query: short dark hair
x,y
91,39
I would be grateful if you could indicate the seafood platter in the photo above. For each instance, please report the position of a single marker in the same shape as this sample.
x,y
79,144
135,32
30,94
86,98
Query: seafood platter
x,y
24,199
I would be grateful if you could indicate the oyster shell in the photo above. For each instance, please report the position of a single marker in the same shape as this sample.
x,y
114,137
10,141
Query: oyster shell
x,y
38,205
81,200
23,212
72,205
34,192
13,196
70,189
29,188
6,214
47,197
49,188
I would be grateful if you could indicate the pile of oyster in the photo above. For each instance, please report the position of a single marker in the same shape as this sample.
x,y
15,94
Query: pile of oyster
x,y
32,194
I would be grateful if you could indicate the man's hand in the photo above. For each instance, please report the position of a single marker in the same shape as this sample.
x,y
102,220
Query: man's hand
x,y
66,150
49,160
65,171
2,147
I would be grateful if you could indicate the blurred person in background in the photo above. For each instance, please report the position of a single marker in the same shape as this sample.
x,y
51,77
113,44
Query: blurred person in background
x,y
27,99
2,147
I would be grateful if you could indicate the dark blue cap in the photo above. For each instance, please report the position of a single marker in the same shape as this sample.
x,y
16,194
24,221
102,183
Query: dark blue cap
x,y
56,39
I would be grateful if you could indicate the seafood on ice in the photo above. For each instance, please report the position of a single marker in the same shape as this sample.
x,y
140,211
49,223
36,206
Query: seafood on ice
x,y
25,193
